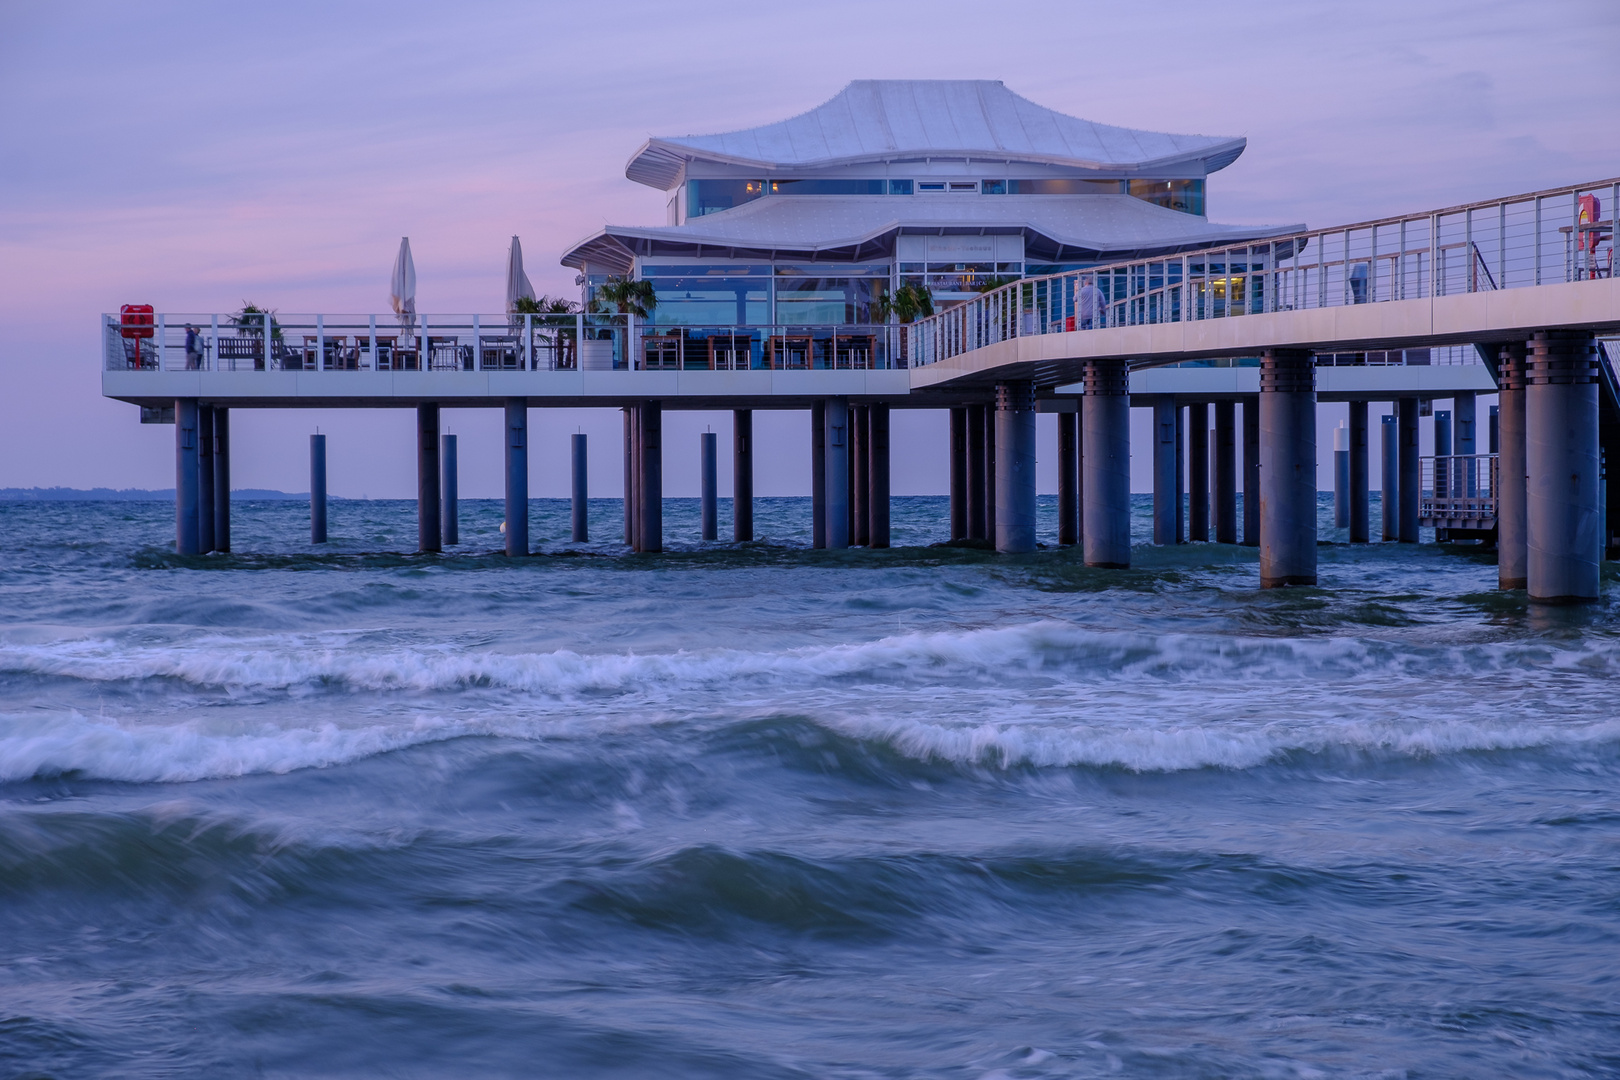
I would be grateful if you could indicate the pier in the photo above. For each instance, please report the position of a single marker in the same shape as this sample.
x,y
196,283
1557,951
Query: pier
x,y
1516,293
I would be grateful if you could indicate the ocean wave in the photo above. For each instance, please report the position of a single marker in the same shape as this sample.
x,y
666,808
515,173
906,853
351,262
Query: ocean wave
x,y
42,744
305,663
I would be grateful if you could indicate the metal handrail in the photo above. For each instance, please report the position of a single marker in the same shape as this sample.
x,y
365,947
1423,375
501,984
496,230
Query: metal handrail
x,y
1519,241
468,343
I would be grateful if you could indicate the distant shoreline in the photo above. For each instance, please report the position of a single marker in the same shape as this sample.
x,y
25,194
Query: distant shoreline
x,y
62,494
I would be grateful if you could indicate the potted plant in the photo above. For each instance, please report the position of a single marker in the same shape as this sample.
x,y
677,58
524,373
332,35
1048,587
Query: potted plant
x,y
619,295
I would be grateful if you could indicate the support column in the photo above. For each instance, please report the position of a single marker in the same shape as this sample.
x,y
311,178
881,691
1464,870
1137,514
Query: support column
x,y
987,416
1181,476
1198,472
650,476
1341,477
1389,492
860,475
1165,494
742,475
1287,468
1512,526
1015,465
709,468
517,476
837,443
818,474
629,476
580,505
427,478
1464,480
1105,462
1360,532
1068,479
205,478
222,479
1564,514
1226,520
1411,475
1251,472
450,486
959,473
317,489
878,484
185,476
976,488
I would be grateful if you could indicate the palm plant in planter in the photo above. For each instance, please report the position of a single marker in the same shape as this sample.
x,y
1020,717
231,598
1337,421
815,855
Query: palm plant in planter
x,y
626,296
908,303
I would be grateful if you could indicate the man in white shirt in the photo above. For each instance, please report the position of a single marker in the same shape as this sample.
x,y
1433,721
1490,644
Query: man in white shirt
x,y
1088,304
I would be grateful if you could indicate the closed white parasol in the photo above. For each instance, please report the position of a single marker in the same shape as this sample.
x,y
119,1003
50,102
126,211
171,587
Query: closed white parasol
x,y
402,289
517,282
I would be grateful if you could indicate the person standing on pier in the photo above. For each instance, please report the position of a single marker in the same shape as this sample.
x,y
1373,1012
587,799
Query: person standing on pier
x,y
1088,304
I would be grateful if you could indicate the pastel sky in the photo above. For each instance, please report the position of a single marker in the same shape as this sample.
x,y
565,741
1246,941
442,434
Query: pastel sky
x,y
194,155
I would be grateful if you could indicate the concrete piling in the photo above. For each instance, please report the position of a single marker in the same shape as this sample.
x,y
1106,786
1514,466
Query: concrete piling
x,y
450,492
517,476
818,474
222,479
742,475
709,467
1068,479
1389,490
1225,484
1166,492
1105,462
650,476
878,485
860,478
1410,469
186,533
629,477
959,473
1512,553
1015,463
1359,525
1198,472
317,489
429,535
837,443
579,531
1341,477
977,489
1563,510
1251,472
205,478
1287,468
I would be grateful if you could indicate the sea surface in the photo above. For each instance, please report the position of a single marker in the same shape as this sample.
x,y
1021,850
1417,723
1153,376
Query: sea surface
x,y
768,812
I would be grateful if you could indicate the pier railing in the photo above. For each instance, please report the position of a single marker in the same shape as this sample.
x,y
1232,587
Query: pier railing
x,y
272,341
1458,491
1557,235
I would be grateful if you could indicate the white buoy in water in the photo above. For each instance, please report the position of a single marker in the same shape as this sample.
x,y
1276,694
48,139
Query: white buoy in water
x,y
503,526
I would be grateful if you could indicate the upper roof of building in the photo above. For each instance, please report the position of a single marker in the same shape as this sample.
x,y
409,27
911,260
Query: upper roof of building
x,y
883,120
838,228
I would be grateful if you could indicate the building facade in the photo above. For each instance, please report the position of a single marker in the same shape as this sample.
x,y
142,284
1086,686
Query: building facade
x,y
782,242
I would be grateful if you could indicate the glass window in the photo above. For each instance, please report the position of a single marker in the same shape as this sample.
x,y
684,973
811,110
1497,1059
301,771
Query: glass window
x,y
1065,187
713,196
808,301
1187,196
703,270
710,301
993,187
899,187
834,269
930,185
828,187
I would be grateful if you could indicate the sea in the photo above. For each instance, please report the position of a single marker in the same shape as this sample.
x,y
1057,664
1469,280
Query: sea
x,y
762,811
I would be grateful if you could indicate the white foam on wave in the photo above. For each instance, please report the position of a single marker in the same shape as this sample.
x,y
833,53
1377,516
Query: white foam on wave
x,y
1149,748
302,663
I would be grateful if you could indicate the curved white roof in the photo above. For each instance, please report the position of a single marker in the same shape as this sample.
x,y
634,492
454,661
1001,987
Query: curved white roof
x,y
877,120
851,227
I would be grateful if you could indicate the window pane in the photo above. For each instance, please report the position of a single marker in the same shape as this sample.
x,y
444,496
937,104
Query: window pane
x,y
899,187
1065,187
713,196
1187,196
